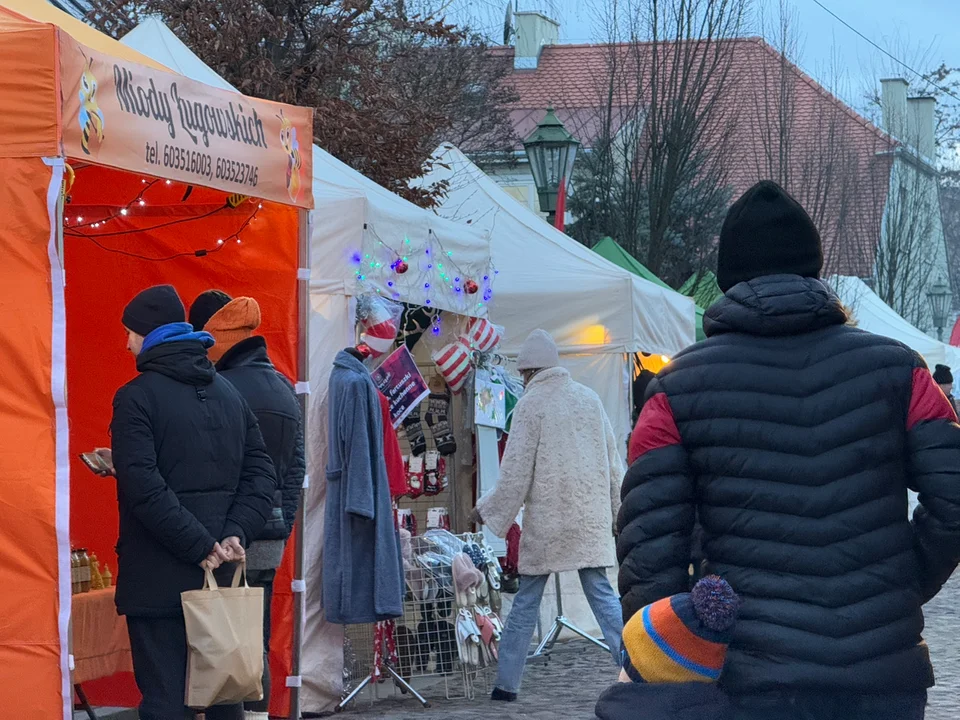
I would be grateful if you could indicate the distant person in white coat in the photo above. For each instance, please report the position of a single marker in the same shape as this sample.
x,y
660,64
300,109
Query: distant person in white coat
x,y
563,466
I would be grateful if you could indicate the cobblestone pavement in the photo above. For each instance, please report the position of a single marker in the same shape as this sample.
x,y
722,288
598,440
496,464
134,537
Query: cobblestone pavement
x,y
943,637
567,687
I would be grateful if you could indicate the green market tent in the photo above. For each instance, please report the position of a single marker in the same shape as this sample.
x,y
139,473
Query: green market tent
x,y
703,288
611,250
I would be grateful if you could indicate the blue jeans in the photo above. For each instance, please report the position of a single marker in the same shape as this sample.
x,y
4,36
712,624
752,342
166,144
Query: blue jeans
x,y
522,621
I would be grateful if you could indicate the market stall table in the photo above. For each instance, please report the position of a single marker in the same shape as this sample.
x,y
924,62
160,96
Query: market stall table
x,y
101,646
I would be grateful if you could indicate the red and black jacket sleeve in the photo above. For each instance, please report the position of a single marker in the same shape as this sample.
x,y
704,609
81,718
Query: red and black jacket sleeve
x,y
933,447
656,518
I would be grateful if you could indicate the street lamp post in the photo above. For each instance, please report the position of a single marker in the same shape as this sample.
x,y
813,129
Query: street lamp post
x,y
939,296
551,151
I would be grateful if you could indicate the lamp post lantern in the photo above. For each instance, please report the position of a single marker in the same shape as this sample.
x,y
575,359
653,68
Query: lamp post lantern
x,y
551,151
939,296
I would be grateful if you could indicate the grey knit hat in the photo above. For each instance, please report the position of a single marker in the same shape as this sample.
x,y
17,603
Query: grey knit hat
x,y
538,352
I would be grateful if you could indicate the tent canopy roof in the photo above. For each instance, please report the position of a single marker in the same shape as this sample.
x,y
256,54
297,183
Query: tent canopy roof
x,y
587,303
42,11
614,252
874,315
703,288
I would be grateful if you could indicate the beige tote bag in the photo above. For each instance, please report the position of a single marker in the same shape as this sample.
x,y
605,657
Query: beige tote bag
x,y
224,642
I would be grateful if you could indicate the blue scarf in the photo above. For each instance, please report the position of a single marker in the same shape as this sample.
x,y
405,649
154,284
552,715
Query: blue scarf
x,y
176,332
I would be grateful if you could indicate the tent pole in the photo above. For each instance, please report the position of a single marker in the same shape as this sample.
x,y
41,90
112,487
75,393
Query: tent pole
x,y
303,382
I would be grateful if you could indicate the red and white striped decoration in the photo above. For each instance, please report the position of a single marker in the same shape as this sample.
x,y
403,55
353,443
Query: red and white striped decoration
x,y
483,334
453,361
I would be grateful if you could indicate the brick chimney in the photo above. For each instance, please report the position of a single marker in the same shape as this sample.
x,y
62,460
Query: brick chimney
x,y
534,30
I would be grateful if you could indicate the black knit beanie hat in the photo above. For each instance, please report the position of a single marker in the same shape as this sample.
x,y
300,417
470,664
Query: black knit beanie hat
x,y
942,375
767,232
156,306
207,304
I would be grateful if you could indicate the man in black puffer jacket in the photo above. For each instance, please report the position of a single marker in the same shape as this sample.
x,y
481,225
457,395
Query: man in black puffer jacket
x,y
242,359
796,437
194,484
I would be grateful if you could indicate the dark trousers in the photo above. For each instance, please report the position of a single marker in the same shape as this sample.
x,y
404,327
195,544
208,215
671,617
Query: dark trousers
x,y
830,706
159,650
263,579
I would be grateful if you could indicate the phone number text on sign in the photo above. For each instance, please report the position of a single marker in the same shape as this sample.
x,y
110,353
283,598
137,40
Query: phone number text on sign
x,y
202,165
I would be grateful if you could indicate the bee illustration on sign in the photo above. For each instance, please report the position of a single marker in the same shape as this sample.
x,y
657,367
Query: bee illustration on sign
x,y
90,116
291,145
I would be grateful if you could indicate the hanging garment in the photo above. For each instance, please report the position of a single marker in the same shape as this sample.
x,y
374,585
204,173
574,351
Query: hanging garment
x,y
392,454
362,570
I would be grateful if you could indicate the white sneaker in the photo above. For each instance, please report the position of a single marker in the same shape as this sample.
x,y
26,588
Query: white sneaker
x,y
248,715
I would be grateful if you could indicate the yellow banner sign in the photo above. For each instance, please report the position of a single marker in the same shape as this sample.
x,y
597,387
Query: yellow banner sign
x,y
128,116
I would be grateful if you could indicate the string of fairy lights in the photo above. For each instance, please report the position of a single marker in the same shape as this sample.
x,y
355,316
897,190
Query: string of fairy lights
x,y
424,267
428,267
77,225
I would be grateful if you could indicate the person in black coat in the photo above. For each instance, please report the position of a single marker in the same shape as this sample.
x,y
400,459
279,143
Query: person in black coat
x,y
194,485
242,358
943,376
795,437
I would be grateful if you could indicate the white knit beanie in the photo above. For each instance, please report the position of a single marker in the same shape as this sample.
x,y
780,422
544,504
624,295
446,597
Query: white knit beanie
x,y
538,352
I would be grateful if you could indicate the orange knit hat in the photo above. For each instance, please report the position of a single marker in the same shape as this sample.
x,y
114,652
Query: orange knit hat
x,y
235,321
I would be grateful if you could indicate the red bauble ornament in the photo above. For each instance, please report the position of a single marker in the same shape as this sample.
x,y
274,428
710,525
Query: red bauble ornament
x,y
402,267
471,287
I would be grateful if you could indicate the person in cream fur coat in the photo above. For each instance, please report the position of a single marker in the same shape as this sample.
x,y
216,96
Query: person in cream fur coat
x,y
563,466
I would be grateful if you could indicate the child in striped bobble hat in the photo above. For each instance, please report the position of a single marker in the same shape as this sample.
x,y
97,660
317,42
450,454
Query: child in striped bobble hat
x,y
673,652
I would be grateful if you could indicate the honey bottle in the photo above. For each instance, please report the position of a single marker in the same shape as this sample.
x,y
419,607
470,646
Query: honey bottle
x,y
107,576
84,571
74,572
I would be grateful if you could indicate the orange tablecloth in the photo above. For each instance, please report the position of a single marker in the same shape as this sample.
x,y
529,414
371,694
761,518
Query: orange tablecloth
x,y
101,647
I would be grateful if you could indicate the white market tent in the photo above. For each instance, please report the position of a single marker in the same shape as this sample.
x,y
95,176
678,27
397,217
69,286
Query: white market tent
x,y
596,311
354,220
874,315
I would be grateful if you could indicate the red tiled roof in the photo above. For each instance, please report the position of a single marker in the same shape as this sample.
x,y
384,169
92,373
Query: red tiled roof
x,y
839,162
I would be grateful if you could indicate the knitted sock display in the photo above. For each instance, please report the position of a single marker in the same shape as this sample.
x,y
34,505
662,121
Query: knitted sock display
x,y
415,476
414,431
438,408
407,520
431,479
442,475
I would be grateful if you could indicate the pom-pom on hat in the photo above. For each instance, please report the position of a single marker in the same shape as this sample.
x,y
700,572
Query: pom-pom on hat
x,y
682,638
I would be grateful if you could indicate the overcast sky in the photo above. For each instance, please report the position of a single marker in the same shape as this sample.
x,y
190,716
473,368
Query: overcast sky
x,y
923,33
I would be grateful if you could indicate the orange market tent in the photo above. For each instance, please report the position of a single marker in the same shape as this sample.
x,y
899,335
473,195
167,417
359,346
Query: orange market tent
x,y
116,175
358,228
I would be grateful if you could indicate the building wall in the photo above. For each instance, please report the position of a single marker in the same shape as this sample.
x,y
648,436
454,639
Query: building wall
x,y
517,180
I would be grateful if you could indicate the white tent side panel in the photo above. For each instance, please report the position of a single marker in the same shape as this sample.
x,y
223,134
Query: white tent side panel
x,y
322,664
608,375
